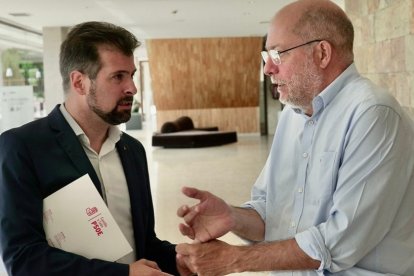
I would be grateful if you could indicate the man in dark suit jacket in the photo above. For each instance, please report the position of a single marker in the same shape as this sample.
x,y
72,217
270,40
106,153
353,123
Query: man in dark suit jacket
x,y
41,157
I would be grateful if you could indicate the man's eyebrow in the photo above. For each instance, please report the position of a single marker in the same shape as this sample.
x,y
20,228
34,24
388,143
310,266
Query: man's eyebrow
x,y
124,72
271,47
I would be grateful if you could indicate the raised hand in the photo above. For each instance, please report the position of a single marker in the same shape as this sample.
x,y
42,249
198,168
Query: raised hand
x,y
209,219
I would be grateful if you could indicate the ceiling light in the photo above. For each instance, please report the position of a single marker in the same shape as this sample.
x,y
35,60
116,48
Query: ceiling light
x,y
19,14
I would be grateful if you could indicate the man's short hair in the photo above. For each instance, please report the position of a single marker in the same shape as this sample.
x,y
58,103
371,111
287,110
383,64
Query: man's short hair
x,y
79,51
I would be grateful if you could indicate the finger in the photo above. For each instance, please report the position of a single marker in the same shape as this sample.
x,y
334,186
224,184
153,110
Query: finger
x,y
183,210
179,257
154,265
186,231
195,193
151,264
190,216
196,241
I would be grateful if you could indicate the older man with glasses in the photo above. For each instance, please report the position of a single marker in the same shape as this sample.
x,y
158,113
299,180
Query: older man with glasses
x,y
336,194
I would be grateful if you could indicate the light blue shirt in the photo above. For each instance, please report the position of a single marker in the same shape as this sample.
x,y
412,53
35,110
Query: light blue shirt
x,y
341,182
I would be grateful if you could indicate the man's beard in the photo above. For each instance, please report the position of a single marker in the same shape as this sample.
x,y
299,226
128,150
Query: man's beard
x,y
114,117
303,87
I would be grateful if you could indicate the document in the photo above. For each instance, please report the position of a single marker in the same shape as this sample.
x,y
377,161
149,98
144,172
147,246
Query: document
x,y
76,219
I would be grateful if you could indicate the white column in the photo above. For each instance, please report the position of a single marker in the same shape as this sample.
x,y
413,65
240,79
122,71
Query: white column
x,y
52,38
1,69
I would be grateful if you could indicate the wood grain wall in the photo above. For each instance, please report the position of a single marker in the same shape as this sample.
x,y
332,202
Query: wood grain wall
x,y
205,76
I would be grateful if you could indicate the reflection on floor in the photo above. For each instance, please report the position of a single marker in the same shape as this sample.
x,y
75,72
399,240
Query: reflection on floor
x,y
228,171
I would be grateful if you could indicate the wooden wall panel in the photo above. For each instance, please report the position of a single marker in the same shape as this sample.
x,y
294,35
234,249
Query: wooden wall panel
x,y
205,72
242,119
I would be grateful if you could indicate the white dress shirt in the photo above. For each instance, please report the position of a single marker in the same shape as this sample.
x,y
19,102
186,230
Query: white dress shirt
x,y
108,167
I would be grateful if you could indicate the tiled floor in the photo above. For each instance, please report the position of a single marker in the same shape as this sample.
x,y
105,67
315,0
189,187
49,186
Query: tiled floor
x,y
228,171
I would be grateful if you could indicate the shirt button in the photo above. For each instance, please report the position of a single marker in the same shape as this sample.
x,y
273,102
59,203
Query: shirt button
x,y
305,155
300,190
292,224
310,122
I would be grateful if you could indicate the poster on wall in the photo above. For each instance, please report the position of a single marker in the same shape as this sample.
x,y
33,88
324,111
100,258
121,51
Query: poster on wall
x,y
16,106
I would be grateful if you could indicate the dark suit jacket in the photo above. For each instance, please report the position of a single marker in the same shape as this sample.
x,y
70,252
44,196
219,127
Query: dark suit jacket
x,y
38,159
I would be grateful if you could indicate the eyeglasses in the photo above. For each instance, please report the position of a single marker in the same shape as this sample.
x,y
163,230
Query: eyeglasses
x,y
275,54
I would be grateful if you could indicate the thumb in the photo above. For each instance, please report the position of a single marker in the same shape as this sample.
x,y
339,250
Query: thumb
x,y
194,193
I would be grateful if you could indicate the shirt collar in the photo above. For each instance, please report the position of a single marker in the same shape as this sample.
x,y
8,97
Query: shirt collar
x,y
321,101
114,134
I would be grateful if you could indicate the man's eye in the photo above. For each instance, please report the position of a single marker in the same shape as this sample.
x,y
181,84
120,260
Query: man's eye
x,y
119,77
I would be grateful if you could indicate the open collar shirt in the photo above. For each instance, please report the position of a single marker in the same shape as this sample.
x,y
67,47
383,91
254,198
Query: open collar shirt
x,y
108,167
341,181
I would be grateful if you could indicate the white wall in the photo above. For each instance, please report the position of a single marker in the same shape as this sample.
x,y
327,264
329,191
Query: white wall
x,y
52,38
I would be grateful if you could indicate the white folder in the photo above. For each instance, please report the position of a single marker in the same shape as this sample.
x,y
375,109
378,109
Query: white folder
x,y
76,219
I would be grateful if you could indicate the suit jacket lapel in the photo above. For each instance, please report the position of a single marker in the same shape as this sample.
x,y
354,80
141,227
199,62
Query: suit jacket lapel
x,y
71,145
135,179
133,173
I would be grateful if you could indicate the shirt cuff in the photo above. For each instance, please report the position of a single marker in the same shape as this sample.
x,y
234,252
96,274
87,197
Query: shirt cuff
x,y
312,243
258,206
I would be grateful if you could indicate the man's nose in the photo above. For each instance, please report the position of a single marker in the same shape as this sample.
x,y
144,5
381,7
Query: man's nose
x,y
131,88
270,67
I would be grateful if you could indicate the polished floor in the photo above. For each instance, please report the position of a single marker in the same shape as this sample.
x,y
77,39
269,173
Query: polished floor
x,y
228,171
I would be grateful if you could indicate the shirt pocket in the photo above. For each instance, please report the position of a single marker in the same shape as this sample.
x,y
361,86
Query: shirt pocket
x,y
321,179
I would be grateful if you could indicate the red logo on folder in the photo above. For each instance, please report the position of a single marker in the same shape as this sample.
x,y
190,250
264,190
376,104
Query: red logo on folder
x,y
91,211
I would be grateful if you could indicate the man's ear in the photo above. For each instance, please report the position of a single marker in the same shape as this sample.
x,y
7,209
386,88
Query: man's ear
x,y
324,53
79,82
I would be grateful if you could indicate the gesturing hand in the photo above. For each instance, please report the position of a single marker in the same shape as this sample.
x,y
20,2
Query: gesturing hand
x,y
212,258
209,219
